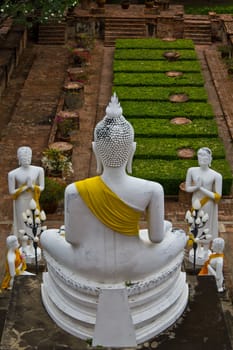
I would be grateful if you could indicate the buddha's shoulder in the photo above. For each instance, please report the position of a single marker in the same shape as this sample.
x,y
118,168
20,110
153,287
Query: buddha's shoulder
x,y
146,184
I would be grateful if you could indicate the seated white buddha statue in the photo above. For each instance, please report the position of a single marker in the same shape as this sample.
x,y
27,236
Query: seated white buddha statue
x,y
104,248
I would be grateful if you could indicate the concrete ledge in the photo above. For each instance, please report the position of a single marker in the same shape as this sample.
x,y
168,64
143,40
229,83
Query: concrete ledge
x,y
202,326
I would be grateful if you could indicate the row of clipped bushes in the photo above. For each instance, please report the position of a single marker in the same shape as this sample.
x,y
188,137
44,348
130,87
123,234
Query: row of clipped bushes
x,y
160,93
156,79
146,54
153,128
155,66
144,89
163,109
153,43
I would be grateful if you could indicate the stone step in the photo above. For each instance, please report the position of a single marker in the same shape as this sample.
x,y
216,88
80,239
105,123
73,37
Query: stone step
x,y
130,26
52,34
196,22
125,21
198,30
123,28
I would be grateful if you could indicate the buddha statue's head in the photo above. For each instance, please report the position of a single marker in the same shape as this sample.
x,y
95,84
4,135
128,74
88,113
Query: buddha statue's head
x,y
218,245
204,155
12,242
114,142
24,155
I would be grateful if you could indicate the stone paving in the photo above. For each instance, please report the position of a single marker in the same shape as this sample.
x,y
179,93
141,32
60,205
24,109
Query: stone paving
x,y
32,97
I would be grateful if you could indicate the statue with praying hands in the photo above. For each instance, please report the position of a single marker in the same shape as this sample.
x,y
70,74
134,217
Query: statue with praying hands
x,y
25,182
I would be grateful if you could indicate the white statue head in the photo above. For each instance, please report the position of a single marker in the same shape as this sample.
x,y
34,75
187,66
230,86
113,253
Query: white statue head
x,y
12,242
114,138
24,155
204,156
218,245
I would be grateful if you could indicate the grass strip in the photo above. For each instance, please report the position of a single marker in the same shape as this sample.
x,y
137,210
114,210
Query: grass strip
x,y
150,128
161,109
167,148
152,54
153,93
157,79
154,43
155,66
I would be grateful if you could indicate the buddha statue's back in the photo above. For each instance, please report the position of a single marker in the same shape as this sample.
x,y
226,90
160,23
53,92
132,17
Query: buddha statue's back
x,y
104,249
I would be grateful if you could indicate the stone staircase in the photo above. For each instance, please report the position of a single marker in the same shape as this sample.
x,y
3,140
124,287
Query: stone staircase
x,y
119,28
197,28
52,34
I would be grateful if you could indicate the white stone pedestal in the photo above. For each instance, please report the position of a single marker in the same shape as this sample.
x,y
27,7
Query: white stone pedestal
x,y
76,304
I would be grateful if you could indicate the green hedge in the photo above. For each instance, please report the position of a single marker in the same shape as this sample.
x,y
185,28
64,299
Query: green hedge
x,y
152,54
143,91
161,93
156,66
154,43
157,79
171,173
167,148
164,128
204,10
160,109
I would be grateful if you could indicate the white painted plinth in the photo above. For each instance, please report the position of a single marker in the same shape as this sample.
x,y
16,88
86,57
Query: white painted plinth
x,y
155,303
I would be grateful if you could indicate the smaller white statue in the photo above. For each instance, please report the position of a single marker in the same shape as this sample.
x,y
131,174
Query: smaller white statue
x,y
214,265
25,183
206,186
15,263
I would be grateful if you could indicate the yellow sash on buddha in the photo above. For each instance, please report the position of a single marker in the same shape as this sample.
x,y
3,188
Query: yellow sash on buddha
x,y
204,269
36,194
18,261
108,207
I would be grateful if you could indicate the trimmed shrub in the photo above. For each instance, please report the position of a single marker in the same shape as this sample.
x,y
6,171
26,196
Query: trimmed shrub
x,y
152,54
154,43
204,10
152,93
157,79
156,66
147,127
161,109
167,148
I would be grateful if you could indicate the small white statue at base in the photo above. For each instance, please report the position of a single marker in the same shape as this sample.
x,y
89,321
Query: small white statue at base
x,y
28,250
214,265
15,263
202,251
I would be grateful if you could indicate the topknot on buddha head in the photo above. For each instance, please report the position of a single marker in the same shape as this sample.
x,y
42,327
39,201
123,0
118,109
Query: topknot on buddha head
x,y
114,136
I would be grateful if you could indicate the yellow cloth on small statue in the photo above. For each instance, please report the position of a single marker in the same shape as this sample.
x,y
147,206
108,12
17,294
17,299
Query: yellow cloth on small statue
x,y
206,199
108,207
204,269
18,261
36,194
